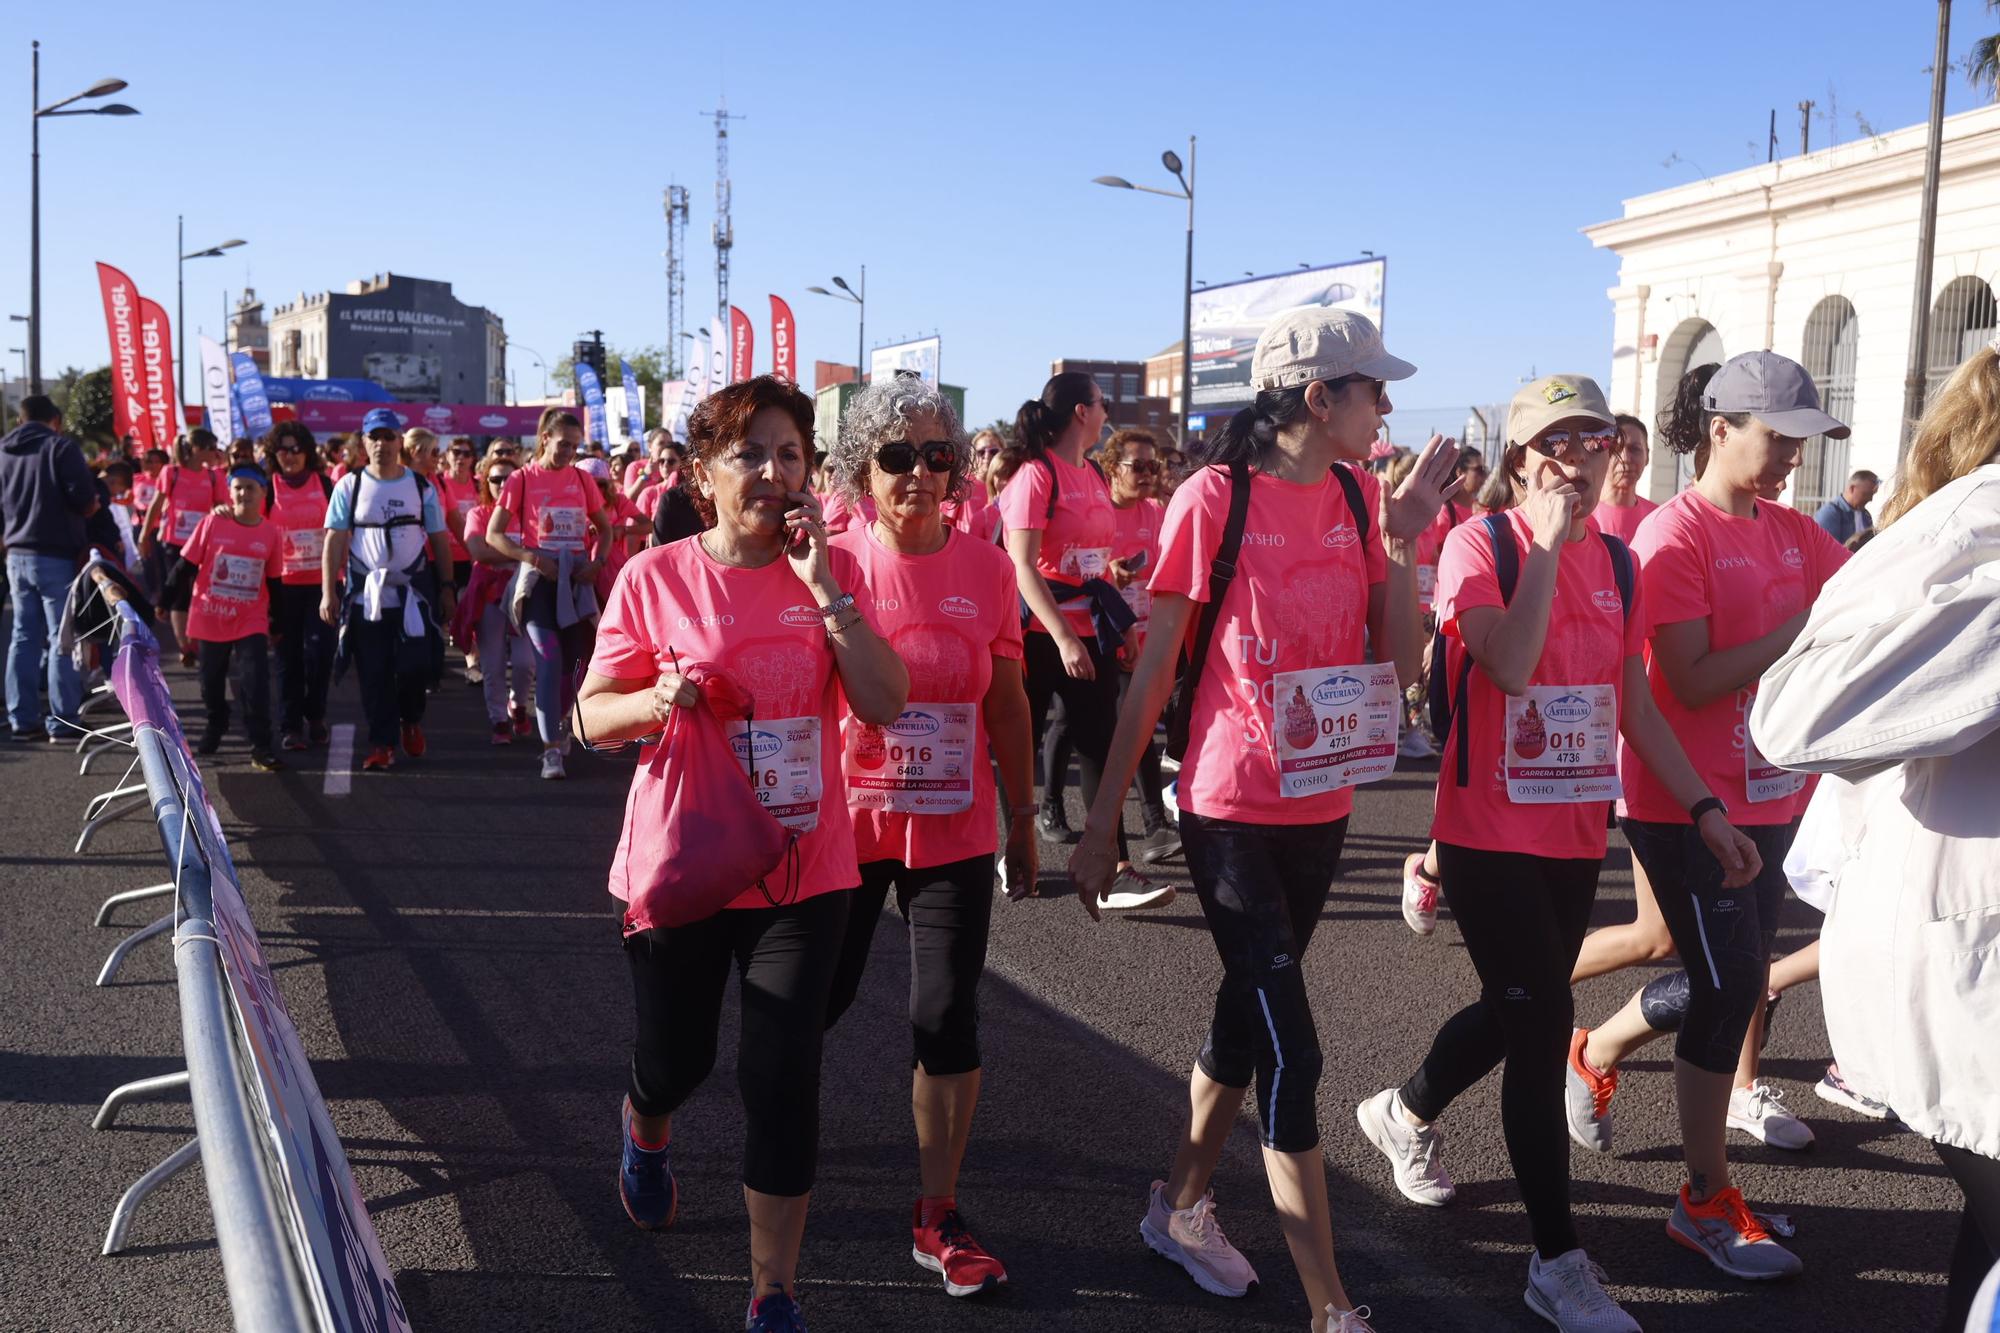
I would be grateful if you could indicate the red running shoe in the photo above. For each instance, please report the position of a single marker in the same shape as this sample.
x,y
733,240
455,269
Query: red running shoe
x,y
413,740
944,1246
379,760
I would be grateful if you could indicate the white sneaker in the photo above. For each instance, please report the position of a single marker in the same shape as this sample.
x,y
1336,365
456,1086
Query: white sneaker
x,y
1416,745
1417,1155
1132,892
1193,1239
1420,896
1347,1321
1568,1291
1833,1088
1759,1111
552,763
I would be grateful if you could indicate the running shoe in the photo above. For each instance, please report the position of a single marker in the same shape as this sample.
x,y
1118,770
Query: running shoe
x,y
1416,1155
1416,745
414,744
265,762
776,1313
1587,1097
1133,892
317,732
949,1250
1348,1321
1759,1111
645,1179
1160,840
379,760
524,721
293,740
1420,896
1833,1088
1053,822
1568,1291
503,733
1724,1232
1193,1239
210,742
552,764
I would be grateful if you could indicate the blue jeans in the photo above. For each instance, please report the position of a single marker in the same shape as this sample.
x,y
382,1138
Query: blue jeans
x,y
559,651
39,585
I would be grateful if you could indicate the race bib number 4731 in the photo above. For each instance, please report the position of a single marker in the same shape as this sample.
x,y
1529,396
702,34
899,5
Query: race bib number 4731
x,y
1335,727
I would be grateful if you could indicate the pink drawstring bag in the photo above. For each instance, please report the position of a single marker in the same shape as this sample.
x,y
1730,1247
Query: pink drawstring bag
x,y
695,835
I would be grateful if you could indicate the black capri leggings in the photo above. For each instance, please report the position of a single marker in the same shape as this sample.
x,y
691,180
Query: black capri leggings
x,y
1090,708
1722,935
1056,755
1978,1230
1262,888
1522,919
785,957
949,909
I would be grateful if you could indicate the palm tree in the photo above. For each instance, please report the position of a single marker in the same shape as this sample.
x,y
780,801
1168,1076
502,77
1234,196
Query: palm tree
x,y
1982,67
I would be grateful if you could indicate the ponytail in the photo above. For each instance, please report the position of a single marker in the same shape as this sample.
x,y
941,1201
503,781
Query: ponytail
x,y
1041,421
1685,425
1252,432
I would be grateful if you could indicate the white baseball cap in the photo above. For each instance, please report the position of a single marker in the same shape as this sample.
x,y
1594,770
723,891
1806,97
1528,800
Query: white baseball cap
x,y
1318,342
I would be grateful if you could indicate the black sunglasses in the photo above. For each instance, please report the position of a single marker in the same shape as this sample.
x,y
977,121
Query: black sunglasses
x,y
1345,380
900,456
461,453
288,447
1144,467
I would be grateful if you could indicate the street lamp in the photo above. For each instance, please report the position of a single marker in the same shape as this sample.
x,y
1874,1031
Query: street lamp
x,y
505,341
1172,162
860,298
180,290
102,88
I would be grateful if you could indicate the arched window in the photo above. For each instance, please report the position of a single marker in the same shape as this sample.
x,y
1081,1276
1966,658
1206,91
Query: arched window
x,y
1694,343
1962,322
1832,334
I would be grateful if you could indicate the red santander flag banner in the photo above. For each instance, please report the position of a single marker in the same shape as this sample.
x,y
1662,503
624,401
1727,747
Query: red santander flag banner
x,y
741,342
128,381
156,362
784,342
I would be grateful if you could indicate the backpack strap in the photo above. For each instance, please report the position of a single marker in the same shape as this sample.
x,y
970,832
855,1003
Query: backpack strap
x,y
1507,571
1350,486
1621,570
1221,573
1055,484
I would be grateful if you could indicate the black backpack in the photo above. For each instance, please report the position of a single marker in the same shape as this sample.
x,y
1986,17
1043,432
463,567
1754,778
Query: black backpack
x,y
1447,700
1221,573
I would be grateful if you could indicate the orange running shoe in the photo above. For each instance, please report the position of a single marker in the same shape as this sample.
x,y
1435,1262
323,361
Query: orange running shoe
x,y
1587,1097
943,1245
413,740
1723,1230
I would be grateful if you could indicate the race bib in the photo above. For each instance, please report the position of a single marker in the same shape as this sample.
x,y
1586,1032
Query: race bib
x,y
303,547
1762,779
920,764
1561,745
185,522
783,760
1427,582
1140,599
1335,726
562,527
236,577
1086,562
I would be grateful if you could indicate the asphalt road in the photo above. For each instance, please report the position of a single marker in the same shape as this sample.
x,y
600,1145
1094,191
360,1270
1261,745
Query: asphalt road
x,y
448,951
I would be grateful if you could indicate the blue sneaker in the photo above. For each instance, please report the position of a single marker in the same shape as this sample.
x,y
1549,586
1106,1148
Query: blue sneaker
x,y
776,1313
646,1181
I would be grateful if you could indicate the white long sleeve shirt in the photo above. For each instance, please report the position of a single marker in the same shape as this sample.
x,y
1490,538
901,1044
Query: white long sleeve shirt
x,y
1893,690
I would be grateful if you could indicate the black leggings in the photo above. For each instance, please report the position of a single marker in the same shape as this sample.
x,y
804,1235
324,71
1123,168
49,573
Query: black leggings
x,y
1978,1230
1056,755
1722,935
1522,919
1090,708
248,662
785,957
305,656
949,909
1262,888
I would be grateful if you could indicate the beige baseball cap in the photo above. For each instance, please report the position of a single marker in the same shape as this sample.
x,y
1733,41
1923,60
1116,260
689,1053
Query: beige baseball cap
x,y
1554,398
1317,342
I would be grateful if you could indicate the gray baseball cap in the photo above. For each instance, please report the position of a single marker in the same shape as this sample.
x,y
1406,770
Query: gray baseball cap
x,y
1321,343
1774,389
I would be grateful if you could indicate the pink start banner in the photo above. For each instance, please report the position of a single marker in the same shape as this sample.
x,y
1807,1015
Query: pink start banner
x,y
443,418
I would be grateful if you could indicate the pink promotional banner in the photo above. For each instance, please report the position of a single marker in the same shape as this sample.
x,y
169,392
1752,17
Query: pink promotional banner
x,y
156,370
784,335
128,384
443,418
742,341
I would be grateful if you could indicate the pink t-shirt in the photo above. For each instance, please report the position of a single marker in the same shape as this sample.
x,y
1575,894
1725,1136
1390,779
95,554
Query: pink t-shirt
x,y
554,506
234,559
762,628
300,514
1138,529
621,510
948,615
1299,602
1589,637
1430,545
1076,542
476,519
192,492
457,499
841,513
1745,577
1622,521
972,514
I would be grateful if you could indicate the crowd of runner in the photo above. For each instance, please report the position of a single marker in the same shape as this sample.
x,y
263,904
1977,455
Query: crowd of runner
x,y
886,637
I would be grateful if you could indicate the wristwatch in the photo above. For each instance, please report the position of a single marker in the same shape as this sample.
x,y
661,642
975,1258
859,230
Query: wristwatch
x,y
1704,805
833,608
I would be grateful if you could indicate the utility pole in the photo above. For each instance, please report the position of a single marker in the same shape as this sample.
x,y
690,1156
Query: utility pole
x,y
1920,314
723,232
1805,127
676,204
1771,141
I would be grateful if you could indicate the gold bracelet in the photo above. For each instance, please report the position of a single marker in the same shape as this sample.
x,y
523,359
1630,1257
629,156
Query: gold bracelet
x,y
834,629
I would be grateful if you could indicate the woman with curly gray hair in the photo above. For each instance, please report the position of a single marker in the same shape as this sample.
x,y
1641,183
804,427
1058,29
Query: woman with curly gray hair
x,y
920,789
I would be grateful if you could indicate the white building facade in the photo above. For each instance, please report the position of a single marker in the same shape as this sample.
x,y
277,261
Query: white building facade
x,y
1814,257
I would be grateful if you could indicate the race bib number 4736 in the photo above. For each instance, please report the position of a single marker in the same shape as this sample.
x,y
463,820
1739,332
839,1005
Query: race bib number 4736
x,y
1560,745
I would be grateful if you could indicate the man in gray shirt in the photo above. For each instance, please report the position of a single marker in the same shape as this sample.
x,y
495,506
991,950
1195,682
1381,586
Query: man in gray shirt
x,y
46,492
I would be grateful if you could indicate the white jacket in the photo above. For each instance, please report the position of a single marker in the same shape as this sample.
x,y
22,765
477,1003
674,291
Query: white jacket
x,y
1894,685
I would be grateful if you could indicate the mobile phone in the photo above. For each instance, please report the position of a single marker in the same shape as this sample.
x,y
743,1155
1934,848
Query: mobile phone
x,y
799,538
1134,563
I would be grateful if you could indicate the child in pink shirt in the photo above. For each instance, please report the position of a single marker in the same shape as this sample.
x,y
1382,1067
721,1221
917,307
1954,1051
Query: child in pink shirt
x,y
238,559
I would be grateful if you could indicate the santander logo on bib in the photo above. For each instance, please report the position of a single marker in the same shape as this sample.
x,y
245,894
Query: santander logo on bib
x,y
959,608
1607,600
1340,538
800,615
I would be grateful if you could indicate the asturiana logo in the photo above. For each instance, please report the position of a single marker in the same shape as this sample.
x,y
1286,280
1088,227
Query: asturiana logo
x,y
1340,538
959,608
800,615
755,744
1793,557
1337,690
1567,708
1607,599
914,724
493,420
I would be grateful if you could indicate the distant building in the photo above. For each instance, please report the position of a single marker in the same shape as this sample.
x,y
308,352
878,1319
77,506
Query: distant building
x,y
247,330
410,335
1815,257
1122,383
1163,377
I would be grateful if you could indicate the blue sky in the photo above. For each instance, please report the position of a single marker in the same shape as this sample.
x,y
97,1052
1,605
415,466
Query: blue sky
x,y
519,152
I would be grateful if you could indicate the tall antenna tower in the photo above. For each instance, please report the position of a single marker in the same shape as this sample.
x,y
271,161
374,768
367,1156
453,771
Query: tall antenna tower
x,y
676,204
723,233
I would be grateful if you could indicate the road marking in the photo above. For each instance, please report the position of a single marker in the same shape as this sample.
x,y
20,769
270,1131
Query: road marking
x,y
340,760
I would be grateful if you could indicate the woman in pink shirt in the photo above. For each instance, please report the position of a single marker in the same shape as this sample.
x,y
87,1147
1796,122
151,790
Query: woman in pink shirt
x,y
1544,626
233,562
922,788
189,488
458,492
1624,508
297,505
504,649
761,598
1286,716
